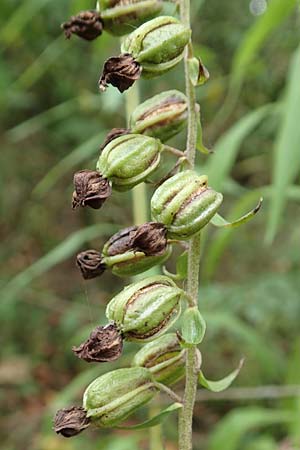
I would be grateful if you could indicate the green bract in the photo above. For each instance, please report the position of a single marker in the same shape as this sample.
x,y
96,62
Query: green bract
x,y
164,357
112,397
157,45
161,116
144,310
185,204
128,160
120,17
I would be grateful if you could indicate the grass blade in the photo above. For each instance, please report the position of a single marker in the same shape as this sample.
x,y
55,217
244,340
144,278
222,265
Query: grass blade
x,y
287,155
60,253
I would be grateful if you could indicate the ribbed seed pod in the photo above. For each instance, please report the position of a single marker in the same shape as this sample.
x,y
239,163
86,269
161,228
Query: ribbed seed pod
x,y
164,357
157,45
112,397
162,116
122,16
184,204
144,310
128,160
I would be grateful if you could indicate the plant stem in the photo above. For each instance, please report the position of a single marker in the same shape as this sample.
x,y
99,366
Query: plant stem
x,y
192,362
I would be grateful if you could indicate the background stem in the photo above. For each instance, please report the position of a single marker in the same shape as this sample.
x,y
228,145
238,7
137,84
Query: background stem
x,y
192,369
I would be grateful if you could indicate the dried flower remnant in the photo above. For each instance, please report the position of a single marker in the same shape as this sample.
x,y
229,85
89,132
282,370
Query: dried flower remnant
x,y
104,344
149,238
120,71
113,134
90,263
86,24
70,421
91,189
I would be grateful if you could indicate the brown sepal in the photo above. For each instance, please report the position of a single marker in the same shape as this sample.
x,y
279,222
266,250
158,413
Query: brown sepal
x,y
86,24
90,263
150,238
113,134
70,421
120,71
91,189
104,344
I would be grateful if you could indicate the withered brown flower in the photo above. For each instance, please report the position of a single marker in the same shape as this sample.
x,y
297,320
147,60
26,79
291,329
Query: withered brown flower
x,y
113,134
120,71
90,263
91,189
149,238
104,344
70,421
86,24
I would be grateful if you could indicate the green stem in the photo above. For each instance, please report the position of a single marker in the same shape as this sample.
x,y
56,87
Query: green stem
x,y
192,362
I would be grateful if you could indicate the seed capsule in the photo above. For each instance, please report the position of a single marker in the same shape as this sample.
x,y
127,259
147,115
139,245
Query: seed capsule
x,y
136,249
122,16
112,397
164,357
162,116
151,50
185,204
145,309
128,160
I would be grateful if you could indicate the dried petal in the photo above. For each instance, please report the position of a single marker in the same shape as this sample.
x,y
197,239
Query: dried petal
x,y
104,344
120,71
70,421
150,238
113,134
120,242
90,264
91,189
87,25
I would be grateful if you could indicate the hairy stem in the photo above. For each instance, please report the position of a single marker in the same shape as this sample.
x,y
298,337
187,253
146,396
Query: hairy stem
x,y
192,361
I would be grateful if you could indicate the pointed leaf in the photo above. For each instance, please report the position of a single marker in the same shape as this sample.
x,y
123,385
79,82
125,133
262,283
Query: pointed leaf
x,y
156,420
219,221
197,71
199,144
193,326
224,383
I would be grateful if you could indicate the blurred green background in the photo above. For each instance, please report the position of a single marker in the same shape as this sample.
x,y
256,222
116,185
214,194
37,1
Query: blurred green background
x,y
53,121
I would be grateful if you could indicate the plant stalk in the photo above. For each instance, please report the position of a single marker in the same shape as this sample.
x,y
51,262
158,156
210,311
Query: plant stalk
x,y
192,362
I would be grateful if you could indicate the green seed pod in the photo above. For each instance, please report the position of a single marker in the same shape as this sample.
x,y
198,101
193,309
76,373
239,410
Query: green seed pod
x,y
112,397
151,50
128,160
157,45
164,357
144,310
162,116
185,204
136,249
122,16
